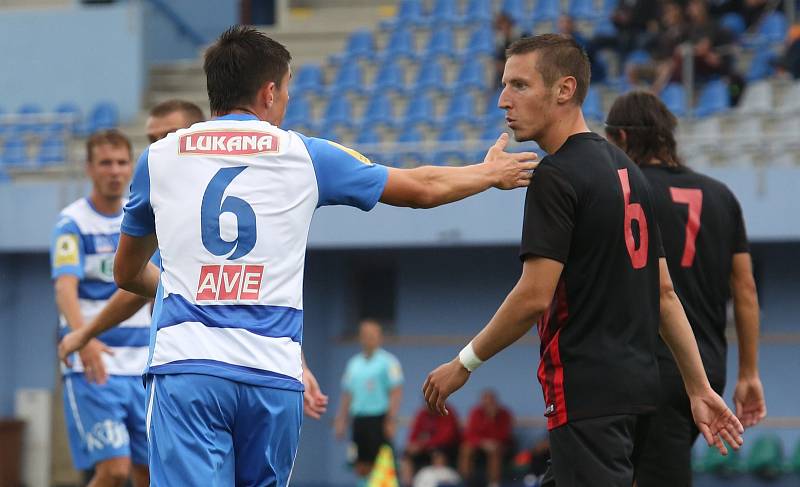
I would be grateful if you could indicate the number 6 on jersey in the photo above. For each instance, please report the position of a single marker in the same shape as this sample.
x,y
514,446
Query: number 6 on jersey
x,y
212,209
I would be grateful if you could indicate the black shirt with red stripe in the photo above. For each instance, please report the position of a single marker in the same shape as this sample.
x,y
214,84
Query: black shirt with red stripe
x,y
702,228
589,207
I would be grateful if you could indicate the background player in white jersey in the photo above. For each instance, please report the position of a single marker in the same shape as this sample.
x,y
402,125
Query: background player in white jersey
x,y
231,202
103,395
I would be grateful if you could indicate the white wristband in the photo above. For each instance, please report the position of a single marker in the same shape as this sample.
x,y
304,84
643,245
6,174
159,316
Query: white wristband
x,y
468,359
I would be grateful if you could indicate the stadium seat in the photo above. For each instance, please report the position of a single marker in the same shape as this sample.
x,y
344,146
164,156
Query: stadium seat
x,y
430,76
445,11
15,152
338,112
454,137
480,43
608,7
757,98
409,14
104,116
674,97
298,113
52,151
349,78
368,135
761,66
582,9
308,78
410,135
546,11
604,28
593,105
420,110
460,109
766,457
400,45
451,134
361,44
471,75
516,9
30,121
478,11
770,31
441,43
390,77
68,120
714,99
380,110
714,462
734,23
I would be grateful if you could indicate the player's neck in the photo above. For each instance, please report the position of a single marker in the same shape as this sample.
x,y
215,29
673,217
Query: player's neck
x,y
105,206
563,127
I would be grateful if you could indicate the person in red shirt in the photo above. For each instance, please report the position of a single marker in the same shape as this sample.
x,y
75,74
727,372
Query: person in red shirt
x,y
429,432
488,430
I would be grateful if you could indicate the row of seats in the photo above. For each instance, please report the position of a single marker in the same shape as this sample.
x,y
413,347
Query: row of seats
x,y
66,118
18,152
766,458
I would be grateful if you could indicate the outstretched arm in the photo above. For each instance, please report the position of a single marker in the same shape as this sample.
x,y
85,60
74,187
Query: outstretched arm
x,y
715,421
431,186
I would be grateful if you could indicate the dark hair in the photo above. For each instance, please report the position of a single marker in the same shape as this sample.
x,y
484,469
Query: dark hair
x,y
649,128
238,64
192,112
560,55
112,137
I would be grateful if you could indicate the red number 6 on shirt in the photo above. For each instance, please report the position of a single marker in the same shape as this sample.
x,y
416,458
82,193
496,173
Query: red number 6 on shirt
x,y
633,211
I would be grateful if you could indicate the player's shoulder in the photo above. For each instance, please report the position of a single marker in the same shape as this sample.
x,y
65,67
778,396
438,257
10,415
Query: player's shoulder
x,y
74,214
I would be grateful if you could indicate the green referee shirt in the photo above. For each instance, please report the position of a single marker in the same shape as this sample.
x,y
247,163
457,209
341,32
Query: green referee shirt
x,y
370,380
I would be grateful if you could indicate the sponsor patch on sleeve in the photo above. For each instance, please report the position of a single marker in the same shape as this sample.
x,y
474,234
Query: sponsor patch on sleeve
x,y
361,157
66,250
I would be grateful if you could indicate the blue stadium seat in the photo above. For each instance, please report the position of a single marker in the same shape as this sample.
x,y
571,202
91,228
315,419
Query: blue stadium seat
x,y
67,120
400,45
338,112
674,97
298,113
480,43
445,11
368,135
430,76
478,11
582,9
380,110
308,78
104,116
409,14
4,126
515,9
441,43
409,135
361,44
608,7
761,66
419,110
15,152
349,78
472,75
546,11
773,28
30,122
460,109
604,27
714,99
593,105
390,77
451,134
491,133
734,23
53,150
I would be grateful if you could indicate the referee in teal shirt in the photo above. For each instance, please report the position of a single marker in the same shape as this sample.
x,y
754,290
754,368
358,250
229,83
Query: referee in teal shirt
x,y
371,393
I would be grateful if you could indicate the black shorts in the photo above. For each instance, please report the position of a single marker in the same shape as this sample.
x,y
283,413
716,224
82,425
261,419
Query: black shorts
x,y
368,437
596,452
666,456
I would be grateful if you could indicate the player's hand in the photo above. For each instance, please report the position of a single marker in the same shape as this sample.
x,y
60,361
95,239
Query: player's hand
x,y
716,422
445,380
92,359
315,403
509,170
749,401
72,342
339,427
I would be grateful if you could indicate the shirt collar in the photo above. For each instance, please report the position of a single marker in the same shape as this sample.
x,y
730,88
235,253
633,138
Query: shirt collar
x,y
237,116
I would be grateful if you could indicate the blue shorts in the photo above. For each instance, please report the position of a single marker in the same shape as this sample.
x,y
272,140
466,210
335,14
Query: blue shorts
x,y
105,421
215,432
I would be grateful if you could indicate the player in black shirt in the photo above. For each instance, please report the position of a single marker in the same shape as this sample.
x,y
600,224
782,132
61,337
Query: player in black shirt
x,y
593,279
708,256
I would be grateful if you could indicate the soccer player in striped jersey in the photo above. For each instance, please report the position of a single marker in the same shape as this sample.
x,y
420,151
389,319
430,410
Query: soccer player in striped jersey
x,y
103,395
228,203
709,260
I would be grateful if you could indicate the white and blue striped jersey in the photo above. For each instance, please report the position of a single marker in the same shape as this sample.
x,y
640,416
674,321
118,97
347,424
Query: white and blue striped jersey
x,y
84,242
231,202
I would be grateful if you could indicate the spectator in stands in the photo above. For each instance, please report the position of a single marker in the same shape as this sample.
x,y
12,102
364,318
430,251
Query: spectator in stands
x,y
566,26
488,431
438,474
789,62
372,389
505,33
662,48
636,21
752,11
170,116
430,433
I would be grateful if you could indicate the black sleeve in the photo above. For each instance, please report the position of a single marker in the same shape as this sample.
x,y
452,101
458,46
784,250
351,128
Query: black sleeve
x,y
740,243
549,215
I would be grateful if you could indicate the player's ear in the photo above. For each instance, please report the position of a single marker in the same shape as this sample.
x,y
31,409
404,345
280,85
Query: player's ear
x,y
566,89
266,95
